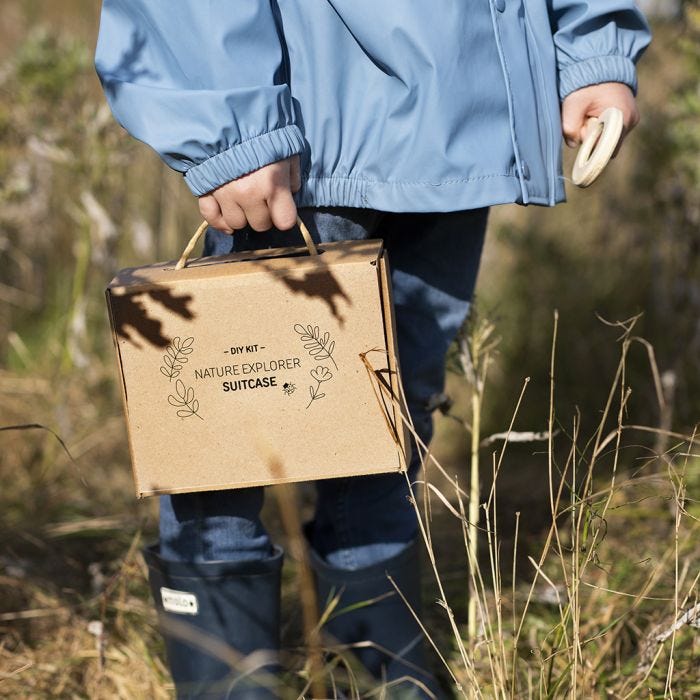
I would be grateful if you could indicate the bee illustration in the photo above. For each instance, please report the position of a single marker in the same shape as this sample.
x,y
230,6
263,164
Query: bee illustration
x,y
288,388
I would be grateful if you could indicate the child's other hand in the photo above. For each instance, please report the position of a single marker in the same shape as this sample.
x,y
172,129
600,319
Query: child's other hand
x,y
590,102
262,199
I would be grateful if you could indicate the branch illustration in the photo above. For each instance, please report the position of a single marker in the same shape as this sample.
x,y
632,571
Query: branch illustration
x,y
184,401
320,347
177,355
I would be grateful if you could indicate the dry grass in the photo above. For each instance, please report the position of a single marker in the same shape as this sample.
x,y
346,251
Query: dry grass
x,y
592,613
609,606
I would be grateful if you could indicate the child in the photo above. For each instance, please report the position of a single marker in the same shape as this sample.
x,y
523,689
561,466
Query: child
x,y
373,118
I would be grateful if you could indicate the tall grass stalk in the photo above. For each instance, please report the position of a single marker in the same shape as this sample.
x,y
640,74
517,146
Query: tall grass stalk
x,y
475,346
288,504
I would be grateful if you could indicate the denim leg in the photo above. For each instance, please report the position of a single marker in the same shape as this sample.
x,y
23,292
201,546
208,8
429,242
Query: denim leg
x,y
434,260
213,526
225,525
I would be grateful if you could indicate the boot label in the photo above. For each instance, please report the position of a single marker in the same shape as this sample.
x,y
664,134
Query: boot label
x,y
179,601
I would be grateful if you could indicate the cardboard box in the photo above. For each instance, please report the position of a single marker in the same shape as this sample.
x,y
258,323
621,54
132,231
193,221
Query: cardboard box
x,y
246,369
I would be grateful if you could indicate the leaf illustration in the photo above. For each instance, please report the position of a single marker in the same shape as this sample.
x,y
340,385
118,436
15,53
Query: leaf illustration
x,y
320,347
176,355
184,401
320,396
172,366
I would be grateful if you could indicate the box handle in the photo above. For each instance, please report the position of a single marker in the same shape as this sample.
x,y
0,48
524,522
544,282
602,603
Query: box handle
x,y
182,262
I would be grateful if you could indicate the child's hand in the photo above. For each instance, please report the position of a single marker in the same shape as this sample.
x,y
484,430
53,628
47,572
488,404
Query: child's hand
x,y
590,102
262,199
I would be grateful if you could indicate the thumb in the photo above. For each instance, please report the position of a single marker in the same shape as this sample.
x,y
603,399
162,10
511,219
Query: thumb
x,y
573,121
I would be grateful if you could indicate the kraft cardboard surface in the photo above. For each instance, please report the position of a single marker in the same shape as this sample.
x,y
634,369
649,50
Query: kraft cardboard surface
x,y
245,369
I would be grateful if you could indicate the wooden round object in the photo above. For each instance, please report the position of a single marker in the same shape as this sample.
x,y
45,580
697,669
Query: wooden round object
x,y
602,137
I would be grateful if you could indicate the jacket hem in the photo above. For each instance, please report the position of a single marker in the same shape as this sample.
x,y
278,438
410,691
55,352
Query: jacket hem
x,y
244,158
596,70
401,196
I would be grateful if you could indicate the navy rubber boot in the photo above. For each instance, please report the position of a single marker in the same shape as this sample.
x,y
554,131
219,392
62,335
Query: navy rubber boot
x,y
220,621
397,649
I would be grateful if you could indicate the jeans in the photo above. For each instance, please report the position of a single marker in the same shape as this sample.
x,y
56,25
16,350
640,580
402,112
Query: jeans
x,y
362,520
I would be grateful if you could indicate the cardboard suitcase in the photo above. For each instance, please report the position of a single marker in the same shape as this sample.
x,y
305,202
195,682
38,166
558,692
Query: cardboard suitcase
x,y
253,368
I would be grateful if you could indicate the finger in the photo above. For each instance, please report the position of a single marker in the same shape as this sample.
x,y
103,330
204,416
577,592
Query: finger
x,y
295,174
233,215
588,125
573,120
211,213
258,216
283,211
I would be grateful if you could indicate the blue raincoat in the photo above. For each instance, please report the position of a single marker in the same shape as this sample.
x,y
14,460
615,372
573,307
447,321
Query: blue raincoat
x,y
396,105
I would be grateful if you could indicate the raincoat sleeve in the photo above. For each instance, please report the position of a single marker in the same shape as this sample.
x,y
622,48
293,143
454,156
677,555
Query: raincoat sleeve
x,y
597,41
202,83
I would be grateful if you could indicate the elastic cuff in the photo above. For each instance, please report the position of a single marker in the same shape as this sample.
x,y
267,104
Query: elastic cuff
x,y
593,71
212,569
243,158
